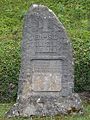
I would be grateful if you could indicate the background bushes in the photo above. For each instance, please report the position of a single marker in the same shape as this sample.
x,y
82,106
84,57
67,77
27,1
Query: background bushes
x,y
74,14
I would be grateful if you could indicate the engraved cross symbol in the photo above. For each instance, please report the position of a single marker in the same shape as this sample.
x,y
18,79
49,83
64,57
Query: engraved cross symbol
x,y
45,25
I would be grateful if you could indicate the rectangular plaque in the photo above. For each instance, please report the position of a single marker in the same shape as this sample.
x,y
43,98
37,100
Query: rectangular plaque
x,y
46,75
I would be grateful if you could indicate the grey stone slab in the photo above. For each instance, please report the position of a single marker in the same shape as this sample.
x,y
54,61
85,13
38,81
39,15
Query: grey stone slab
x,y
46,80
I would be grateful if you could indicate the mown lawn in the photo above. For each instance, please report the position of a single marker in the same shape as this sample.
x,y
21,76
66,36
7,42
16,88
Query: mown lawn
x,y
86,116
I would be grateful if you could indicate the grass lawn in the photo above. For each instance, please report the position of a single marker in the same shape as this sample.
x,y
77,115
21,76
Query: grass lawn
x,y
4,107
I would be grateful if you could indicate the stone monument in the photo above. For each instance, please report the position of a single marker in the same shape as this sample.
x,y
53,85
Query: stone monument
x,y
46,79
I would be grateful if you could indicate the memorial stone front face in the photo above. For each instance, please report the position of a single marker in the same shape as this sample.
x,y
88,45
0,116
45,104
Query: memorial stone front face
x,y
46,79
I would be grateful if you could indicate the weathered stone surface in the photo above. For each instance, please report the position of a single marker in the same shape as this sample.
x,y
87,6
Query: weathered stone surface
x,y
46,79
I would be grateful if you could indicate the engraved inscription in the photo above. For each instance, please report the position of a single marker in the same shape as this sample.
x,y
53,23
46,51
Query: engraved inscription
x,y
46,43
47,75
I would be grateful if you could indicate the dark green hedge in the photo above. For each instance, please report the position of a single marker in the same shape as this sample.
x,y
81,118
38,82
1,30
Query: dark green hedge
x,y
74,14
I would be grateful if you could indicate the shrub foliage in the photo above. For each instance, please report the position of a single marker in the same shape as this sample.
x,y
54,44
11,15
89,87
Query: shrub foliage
x,y
74,14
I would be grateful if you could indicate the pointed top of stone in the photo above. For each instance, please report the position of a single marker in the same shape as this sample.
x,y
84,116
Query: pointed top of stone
x,y
37,6
44,12
34,6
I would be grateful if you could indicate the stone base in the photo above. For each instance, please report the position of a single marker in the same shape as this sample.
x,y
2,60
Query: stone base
x,y
46,106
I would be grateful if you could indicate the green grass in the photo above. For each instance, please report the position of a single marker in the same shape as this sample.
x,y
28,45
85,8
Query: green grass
x,y
74,14
86,116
